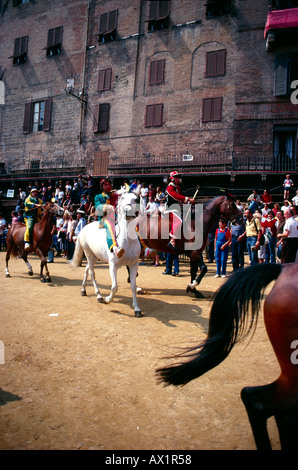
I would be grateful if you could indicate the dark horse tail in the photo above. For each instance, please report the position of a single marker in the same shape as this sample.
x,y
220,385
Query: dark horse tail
x,y
229,322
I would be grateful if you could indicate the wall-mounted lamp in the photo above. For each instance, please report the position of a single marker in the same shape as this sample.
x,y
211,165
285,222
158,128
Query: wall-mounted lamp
x,y
70,91
232,178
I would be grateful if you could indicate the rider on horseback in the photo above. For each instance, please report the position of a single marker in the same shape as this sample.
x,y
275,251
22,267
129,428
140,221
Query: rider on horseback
x,y
32,215
105,204
175,196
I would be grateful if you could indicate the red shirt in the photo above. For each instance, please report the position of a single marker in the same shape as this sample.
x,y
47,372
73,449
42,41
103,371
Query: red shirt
x,y
175,194
270,224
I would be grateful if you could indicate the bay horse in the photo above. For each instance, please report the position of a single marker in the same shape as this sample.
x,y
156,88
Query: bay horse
x,y
41,243
92,241
156,234
233,316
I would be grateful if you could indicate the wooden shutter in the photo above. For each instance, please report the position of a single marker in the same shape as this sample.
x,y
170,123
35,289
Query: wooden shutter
x,y
104,79
103,26
215,63
212,109
158,115
47,114
154,115
20,47
217,107
108,22
54,36
27,118
112,25
153,12
149,115
210,63
101,117
164,9
104,111
156,74
281,75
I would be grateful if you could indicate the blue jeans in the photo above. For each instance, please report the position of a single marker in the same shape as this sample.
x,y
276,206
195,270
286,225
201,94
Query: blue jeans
x,y
171,258
270,250
253,255
221,258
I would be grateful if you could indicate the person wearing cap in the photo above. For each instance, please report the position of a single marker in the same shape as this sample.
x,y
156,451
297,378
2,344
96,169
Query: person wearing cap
x,y
105,204
32,215
175,196
81,222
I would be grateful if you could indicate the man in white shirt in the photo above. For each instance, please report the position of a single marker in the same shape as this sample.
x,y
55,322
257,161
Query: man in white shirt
x,y
295,199
80,225
289,238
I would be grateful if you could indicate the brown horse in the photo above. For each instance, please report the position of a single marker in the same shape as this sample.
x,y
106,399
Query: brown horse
x,y
155,233
41,242
234,313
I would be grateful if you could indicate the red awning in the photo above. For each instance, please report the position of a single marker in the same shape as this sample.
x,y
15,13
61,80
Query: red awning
x,y
281,19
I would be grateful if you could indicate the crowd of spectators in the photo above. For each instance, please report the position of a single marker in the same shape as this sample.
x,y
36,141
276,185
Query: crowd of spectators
x,y
76,197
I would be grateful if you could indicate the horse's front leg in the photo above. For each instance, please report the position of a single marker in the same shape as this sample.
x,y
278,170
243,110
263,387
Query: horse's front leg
x,y
133,285
114,288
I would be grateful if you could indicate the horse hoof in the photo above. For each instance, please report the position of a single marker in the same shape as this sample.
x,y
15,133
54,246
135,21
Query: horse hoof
x,y
49,279
189,288
83,293
138,314
100,300
42,280
30,273
7,275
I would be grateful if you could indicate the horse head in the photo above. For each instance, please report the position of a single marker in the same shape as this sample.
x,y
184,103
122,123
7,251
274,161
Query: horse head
x,y
228,208
127,204
53,208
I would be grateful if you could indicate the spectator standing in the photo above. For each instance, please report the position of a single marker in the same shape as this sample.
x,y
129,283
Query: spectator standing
x,y
143,198
295,199
238,246
287,184
253,233
222,242
289,238
270,225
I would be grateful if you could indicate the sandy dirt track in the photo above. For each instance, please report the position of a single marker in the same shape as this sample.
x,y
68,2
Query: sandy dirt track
x,y
85,378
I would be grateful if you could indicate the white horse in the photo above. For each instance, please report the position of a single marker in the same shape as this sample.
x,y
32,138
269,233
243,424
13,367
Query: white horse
x,y
93,242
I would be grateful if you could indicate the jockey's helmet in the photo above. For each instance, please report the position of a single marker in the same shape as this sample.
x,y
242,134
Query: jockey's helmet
x,y
173,174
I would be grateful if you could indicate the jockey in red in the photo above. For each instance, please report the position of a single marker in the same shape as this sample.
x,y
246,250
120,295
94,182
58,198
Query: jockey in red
x,y
175,196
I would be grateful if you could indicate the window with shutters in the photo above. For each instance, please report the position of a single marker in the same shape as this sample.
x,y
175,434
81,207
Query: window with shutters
x,y
217,8
153,116
156,72
54,45
37,116
159,15
212,109
286,71
108,26
20,54
104,79
216,63
101,117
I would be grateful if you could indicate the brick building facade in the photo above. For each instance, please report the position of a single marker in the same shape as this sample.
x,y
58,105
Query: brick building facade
x,y
139,87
